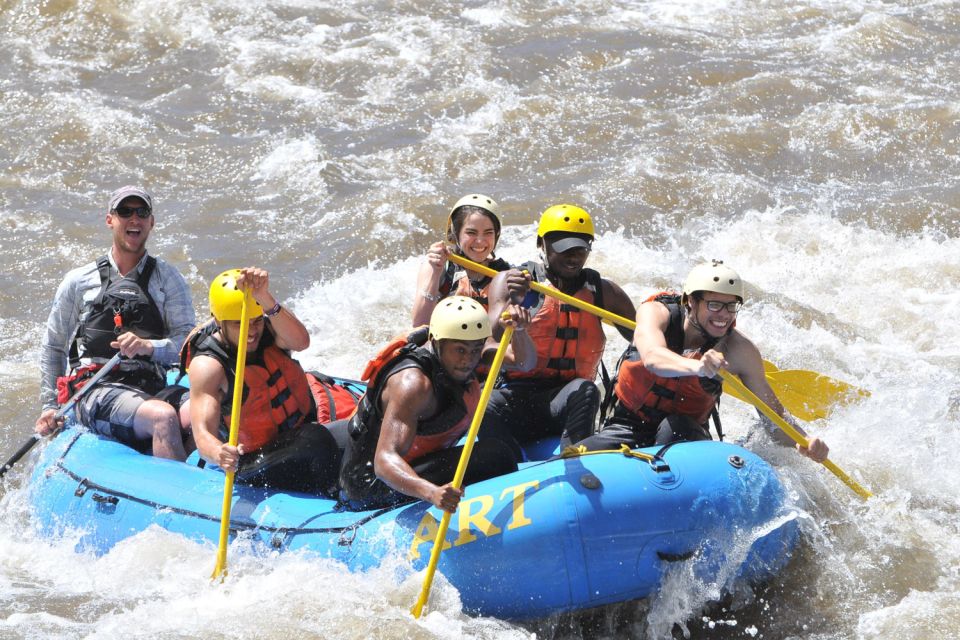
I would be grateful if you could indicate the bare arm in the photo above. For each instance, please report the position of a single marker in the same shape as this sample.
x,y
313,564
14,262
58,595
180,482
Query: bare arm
x,y
521,355
617,301
651,342
407,397
508,287
744,359
207,382
288,331
428,283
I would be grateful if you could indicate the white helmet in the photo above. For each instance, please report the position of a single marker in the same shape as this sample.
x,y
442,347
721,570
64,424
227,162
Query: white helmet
x,y
713,276
459,318
480,201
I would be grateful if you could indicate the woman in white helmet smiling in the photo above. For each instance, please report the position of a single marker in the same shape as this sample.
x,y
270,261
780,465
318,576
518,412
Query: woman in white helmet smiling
x,y
473,230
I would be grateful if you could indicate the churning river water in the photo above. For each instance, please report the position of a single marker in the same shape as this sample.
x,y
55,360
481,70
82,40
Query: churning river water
x,y
812,144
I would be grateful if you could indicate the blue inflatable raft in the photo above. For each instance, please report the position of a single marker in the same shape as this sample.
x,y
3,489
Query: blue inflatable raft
x,y
555,536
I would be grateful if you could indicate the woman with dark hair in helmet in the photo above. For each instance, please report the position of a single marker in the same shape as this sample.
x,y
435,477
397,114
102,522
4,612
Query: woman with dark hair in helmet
x,y
473,229
278,446
402,442
559,396
666,387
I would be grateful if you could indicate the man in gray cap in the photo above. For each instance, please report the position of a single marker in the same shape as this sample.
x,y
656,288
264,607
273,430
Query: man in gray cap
x,y
127,302
558,396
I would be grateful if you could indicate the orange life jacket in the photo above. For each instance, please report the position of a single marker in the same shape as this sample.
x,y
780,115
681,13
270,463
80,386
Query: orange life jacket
x,y
651,397
569,341
276,396
456,402
455,281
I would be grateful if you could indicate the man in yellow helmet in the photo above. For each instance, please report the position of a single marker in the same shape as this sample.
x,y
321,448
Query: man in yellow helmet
x,y
421,398
666,387
278,445
558,396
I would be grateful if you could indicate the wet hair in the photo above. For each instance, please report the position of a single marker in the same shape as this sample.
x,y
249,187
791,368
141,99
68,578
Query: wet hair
x,y
462,213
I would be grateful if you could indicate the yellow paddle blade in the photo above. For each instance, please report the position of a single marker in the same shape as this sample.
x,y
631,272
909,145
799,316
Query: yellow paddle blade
x,y
807,395
769,367
818,388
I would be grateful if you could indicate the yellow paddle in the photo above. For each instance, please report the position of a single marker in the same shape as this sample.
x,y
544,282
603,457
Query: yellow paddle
x,y
806,394
462,469
797,437
220,571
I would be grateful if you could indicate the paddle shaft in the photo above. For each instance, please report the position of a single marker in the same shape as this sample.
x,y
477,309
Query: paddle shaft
x,y
220,570
62,411
808,405
462,469
583,305
787,428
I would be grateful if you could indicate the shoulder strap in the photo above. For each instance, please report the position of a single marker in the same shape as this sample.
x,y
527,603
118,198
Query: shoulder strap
x,y
674,332
446,279
144,279
593,278
144,283
103,267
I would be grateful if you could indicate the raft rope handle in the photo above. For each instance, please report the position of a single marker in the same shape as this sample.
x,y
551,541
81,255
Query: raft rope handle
x,y
654,460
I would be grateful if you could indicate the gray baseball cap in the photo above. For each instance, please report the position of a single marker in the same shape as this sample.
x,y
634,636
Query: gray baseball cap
x,y
129,191
560,242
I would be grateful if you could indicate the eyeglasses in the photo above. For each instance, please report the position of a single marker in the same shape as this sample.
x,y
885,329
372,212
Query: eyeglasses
x,y
716,305
126,212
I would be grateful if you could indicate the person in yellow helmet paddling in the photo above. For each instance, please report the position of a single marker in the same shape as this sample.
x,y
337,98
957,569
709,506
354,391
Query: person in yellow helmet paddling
x,y
279,444
558,396
667,386
473,230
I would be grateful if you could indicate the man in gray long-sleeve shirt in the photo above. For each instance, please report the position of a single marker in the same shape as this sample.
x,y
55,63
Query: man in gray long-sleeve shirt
x,y
126,301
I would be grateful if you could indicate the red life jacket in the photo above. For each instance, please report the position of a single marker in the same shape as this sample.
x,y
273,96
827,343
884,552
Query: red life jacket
x,y
334,400
456,403
276,396
569,341
651,397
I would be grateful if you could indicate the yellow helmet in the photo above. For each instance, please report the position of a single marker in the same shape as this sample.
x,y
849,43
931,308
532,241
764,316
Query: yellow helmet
x,y
567,218
226,300
459,318
716,277
478,200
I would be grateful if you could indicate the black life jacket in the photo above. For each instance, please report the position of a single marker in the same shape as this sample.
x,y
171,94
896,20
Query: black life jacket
x,y
357,474
121,305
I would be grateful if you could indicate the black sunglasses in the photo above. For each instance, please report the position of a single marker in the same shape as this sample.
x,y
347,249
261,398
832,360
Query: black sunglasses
x,y
126,212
